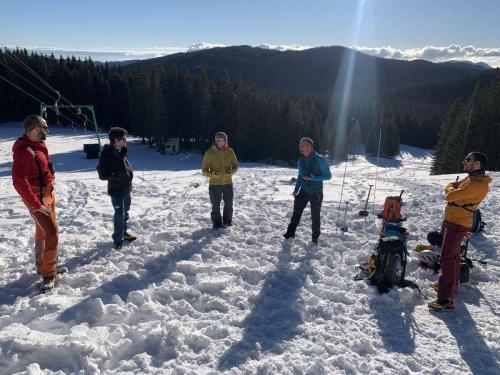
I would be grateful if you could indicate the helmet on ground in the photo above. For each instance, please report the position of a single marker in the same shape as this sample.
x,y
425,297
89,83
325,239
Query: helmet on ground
x,y
428,259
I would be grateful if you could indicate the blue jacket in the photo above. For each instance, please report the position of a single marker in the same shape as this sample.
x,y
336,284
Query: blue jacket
x,y
315,167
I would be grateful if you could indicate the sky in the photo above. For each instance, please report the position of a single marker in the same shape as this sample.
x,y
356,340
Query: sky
x,y
128,29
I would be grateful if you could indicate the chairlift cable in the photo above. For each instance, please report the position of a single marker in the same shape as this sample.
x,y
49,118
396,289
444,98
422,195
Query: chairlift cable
x,y
30,70
35,98
60,96
31,83
20,89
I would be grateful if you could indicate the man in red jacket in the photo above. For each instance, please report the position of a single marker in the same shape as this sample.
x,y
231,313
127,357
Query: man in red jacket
x,y
33,179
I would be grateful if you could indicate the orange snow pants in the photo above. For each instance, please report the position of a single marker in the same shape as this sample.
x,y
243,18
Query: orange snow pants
x,y
46,234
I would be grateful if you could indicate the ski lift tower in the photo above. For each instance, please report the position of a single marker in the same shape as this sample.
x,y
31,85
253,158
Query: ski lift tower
x,y
56,107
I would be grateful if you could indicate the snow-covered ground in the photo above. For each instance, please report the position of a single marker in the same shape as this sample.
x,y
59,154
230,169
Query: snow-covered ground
x,y
184,299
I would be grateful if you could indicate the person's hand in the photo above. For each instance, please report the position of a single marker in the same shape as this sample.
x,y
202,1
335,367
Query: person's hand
x,y
44,210
306,177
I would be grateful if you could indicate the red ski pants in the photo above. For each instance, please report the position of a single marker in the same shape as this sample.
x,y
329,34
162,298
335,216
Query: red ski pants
x,y
450,259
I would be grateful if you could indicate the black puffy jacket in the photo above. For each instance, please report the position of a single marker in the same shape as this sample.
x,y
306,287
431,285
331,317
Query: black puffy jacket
x,y
116,169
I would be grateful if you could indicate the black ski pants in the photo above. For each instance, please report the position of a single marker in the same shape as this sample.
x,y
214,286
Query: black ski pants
x,y
217,194
299,204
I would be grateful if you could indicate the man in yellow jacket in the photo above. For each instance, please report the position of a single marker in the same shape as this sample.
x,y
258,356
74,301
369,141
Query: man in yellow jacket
x,y
219,164
463,199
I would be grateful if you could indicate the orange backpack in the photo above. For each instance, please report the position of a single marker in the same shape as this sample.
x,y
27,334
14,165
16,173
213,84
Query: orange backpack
x,y
392,209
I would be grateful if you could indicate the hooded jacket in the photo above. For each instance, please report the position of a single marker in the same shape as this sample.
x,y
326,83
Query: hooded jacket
x,y
471,191
115,167
25,176
219,165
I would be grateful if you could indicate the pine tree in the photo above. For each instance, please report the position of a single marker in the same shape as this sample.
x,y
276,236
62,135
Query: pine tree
x,y
450,144
354,137
390,137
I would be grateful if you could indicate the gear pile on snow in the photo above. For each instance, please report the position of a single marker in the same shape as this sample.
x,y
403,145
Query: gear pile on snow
x,y
386,266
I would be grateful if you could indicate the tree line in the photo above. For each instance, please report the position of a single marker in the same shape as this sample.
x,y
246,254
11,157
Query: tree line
x,y
157,103
263,125
470,126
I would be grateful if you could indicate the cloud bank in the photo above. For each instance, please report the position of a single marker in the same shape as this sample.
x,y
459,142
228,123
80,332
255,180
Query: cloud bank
x,y
103,54
490,56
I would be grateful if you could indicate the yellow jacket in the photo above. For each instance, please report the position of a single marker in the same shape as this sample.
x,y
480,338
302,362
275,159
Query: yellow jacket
x,y
219,165
468,192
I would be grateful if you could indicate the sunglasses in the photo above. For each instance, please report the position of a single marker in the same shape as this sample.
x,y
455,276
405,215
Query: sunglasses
x,y
42,126
220,140
466,160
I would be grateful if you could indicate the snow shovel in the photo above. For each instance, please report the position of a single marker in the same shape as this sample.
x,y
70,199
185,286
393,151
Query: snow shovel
x,y
365,212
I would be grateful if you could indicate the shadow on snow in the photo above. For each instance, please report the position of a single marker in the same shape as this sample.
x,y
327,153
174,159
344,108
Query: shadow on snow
x,y
156,271
275,316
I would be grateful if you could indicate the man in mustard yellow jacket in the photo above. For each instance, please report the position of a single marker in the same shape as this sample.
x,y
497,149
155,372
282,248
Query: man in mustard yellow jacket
x,y
463,199
219,164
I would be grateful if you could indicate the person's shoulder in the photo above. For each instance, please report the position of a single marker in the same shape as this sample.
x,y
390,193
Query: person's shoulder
x,y
21,143
484,179
107,151
319,156
213,149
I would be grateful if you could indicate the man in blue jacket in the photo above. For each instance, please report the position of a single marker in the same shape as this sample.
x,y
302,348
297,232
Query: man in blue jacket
x,y
313,170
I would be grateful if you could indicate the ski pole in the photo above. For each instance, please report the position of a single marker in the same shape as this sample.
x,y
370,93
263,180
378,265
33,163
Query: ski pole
x,y
400,195
341,194
479,258
365,212
344,227
378,156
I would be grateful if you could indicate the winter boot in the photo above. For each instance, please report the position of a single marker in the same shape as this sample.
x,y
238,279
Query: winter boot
x,y
48,283
441,304
128,237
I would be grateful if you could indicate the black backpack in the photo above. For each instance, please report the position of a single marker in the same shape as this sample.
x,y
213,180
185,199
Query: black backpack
x,y
387,265
102,172
477,222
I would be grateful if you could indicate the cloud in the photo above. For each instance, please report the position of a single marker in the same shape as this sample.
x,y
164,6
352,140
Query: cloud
x,y
203,45
293,47
103,54
138,54
490,56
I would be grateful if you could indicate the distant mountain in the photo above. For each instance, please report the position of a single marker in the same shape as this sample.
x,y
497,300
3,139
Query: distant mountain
x,y
313,70
443,93
480,66
117,63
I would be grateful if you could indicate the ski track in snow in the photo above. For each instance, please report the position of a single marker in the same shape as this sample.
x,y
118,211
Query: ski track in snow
x,y
185,299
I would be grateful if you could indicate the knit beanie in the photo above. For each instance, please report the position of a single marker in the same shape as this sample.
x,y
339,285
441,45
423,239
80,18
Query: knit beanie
x,y
221,135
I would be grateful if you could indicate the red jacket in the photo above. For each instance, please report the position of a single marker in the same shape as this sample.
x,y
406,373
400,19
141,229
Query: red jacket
x,y
25,170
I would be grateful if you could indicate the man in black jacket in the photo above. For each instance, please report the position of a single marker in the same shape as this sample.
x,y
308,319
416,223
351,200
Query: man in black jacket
x,y
117,170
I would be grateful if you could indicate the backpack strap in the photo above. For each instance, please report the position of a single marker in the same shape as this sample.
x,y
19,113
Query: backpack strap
x,y
414,286
41,182
465,206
